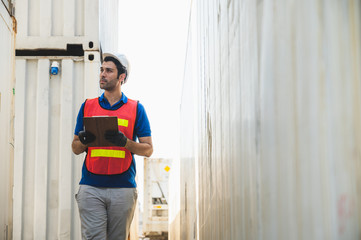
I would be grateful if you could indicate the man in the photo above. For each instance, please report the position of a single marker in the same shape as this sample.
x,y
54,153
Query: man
x,y
107,193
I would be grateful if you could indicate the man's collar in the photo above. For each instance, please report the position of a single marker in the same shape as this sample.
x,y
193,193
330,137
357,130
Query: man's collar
x,y
123,99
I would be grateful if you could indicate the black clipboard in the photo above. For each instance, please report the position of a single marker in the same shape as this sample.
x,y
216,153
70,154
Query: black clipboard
x,y
98,126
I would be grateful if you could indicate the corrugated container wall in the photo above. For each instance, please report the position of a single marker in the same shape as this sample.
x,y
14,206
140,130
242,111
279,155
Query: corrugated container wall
x,y
7,59
183,181
275,118
109,31
46,172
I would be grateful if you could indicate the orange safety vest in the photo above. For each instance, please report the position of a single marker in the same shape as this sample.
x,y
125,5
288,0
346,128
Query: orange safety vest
x,y
111,160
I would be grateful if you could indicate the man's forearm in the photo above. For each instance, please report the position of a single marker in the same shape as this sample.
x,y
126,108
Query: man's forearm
x,y
141,148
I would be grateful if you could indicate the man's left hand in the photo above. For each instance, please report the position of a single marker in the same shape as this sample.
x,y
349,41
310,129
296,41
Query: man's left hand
x,y
116,137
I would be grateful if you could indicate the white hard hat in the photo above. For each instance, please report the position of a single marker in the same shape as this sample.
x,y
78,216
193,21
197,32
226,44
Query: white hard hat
x,y
122,59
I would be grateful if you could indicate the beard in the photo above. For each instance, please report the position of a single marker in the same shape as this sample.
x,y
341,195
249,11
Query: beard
x,y
108,85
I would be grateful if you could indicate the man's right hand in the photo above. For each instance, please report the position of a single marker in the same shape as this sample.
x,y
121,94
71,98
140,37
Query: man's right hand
x,y
86,137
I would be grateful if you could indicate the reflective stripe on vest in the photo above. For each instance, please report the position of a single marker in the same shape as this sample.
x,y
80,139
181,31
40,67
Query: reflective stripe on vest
x,y
107,153
111,160
123,122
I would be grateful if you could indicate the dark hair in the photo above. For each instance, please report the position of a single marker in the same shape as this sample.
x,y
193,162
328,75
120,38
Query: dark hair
x,y
121,69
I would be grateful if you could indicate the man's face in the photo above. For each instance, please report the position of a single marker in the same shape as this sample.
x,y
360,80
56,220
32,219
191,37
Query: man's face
x,y
108,76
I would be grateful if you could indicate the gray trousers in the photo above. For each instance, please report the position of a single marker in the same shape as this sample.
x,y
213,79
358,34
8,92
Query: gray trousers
x,y
106,213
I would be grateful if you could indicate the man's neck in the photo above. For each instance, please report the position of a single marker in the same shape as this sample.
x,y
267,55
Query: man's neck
x,y
113,97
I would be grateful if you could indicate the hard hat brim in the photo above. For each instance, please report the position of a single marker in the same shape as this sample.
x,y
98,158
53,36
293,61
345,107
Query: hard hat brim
x,y
104,55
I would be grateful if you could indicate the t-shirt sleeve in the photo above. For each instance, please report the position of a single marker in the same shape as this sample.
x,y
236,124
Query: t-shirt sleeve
x,y
79,120
142,126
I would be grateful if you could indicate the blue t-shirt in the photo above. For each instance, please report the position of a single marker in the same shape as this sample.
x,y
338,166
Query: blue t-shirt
x,y
141,129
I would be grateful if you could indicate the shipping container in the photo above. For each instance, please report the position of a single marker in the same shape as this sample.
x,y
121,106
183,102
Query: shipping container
x,y
46,172
183,182
272,96
7,80
108,25
155,207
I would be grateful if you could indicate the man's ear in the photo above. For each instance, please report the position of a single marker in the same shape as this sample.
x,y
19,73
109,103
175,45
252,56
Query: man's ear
x,y
121,78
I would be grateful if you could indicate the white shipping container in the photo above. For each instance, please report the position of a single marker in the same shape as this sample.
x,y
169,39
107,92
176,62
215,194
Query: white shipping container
x,y
47,173
108,25
276,112
7,60
155,210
